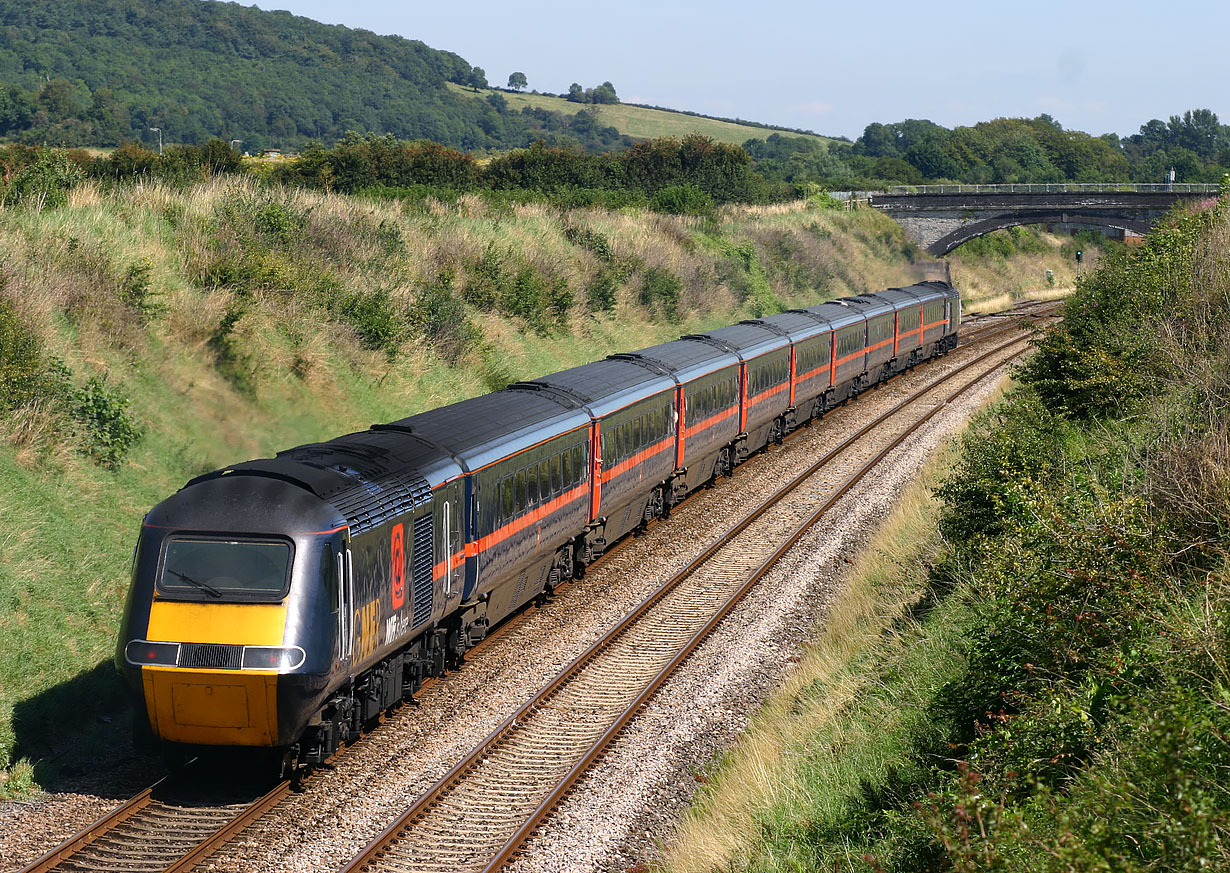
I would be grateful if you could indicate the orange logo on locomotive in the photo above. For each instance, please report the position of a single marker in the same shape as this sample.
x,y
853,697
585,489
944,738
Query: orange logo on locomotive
x,y
399,566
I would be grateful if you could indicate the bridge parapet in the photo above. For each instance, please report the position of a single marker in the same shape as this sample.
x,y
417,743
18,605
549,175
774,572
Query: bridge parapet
x,y
1056,188
941,217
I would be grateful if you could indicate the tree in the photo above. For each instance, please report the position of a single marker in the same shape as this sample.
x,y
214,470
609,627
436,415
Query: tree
x,y
477,78
1197,130
576,93
604,93
517,81
16,110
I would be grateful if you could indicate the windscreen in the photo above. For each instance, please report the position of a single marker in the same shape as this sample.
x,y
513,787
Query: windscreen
x,y
225,569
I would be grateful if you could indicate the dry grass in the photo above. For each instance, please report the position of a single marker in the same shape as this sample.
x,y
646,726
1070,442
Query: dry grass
x,y
721,831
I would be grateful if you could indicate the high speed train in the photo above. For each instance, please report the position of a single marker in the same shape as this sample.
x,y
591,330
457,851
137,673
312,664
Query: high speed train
x,y
285,602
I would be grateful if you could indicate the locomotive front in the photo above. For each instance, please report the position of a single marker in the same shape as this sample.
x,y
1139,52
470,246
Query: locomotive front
x,y
229,633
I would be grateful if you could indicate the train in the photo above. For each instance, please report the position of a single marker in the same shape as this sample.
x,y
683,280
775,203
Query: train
x,y
284,603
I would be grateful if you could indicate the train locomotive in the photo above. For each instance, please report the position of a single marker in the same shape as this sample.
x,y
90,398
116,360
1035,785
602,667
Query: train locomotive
x,y
284,603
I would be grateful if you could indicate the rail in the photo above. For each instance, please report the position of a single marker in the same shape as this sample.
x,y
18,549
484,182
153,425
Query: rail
x,y
1059,188
493,760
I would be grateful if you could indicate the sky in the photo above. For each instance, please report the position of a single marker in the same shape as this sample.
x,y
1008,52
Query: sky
x,y
833,68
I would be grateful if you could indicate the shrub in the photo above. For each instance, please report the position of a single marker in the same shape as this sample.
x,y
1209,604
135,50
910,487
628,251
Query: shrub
x,y
381,324
136,289
23,372
46,182
441,316
109,429
685,199
660,286
486,277
601,291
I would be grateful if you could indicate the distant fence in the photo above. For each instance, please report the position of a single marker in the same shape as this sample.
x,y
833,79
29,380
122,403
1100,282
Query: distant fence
x,y
1058,188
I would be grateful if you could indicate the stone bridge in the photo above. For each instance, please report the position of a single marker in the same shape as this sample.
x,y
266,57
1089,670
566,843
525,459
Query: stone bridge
x,y
941,217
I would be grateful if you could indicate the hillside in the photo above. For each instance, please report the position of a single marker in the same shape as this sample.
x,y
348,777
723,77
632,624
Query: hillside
x,y
107,71
642,122
101,72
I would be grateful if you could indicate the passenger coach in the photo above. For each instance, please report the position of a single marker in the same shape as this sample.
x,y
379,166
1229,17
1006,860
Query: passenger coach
x,y
283,603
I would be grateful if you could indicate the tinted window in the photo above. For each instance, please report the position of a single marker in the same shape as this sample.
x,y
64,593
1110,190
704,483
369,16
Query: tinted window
x,y
218,568
508,500
557,480
531,491
569,478
544,478
578,464
521,501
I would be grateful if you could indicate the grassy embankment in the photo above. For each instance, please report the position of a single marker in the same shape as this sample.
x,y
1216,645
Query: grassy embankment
x,y
638,121
1053,694
149,334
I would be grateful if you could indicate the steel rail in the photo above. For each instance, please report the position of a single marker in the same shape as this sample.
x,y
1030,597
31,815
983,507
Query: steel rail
x,y
223,835
430,798
91,832
513,846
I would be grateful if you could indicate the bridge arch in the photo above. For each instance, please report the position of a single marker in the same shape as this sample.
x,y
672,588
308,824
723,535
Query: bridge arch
x,y
967,232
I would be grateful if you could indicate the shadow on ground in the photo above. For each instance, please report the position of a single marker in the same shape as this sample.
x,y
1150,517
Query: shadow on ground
x,y
78,736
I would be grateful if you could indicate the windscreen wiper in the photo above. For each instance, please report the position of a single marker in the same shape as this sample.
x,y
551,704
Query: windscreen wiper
x,y
204,586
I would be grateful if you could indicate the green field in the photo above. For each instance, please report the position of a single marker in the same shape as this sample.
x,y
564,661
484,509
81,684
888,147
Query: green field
x,y
638,121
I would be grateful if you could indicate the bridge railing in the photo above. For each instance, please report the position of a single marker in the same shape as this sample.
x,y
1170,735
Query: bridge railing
x,y
1057,188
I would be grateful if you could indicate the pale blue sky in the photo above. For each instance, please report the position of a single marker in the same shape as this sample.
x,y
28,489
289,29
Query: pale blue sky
x,y
835,67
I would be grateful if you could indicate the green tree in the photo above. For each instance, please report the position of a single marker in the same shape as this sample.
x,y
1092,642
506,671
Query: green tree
x,y
477,78
576,93
16,110
604,93
517,81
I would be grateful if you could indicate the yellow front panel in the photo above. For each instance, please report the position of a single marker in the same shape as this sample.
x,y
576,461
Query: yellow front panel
x,y
212,707
252,624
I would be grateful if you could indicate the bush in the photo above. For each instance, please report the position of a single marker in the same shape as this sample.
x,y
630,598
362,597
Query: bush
x,y
23,371
441,316
683,199
662,287
46,182
109,429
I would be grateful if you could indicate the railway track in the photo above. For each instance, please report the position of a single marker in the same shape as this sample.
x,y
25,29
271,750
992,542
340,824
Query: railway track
x,y
178,823
167,827
480,814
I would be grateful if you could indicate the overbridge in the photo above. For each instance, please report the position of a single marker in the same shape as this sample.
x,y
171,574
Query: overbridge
x,y
941,217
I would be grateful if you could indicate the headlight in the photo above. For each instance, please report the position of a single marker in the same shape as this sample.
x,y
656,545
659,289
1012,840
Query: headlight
x,y
281,658
142,652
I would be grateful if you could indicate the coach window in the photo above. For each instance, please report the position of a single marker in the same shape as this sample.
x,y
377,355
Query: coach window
x,y
557,480
531,479
508,500
578,464
520,486
545,486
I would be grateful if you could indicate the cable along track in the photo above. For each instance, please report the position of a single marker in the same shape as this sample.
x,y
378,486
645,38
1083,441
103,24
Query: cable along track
x,y
479,815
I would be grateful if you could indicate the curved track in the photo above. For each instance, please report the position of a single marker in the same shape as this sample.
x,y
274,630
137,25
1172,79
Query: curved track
x,y
179,822
480,813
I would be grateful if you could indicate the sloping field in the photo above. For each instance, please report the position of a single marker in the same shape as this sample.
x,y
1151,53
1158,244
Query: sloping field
x,y
639,121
